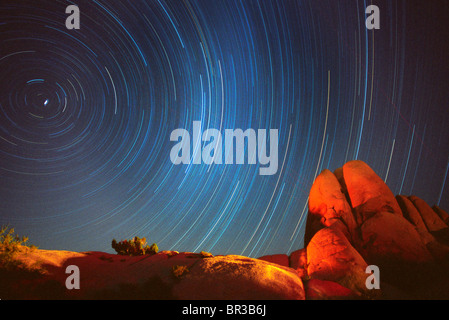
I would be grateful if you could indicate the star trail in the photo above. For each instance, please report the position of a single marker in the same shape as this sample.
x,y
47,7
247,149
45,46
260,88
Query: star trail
x,y
86,115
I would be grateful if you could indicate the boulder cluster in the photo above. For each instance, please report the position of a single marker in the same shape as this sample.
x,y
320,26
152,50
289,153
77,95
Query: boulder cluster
x,y
355,221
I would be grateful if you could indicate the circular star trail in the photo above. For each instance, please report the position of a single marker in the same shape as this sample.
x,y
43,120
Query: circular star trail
x,y
86,115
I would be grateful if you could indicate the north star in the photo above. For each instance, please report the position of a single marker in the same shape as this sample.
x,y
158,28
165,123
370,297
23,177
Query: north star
x,y
199,310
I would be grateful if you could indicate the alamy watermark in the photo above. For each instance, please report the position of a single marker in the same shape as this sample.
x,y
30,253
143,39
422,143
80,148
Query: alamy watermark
x,y
373,280
373,20
72,281
73,20
211,152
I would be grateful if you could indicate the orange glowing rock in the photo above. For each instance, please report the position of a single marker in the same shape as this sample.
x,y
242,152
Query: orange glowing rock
x,y
298,261
331,257
327,205
367,191
238,277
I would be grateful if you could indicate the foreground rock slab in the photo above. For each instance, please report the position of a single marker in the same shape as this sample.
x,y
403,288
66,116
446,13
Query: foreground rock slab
x,y
41,274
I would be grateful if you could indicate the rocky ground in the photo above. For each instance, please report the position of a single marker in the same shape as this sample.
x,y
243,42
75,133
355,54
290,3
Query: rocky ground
x,y
354,221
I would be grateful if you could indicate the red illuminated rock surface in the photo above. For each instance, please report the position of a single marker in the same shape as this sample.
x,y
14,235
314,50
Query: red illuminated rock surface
x,y
110,276
280,259
403,236
354,221
298,261
328,204
330,256
328,290
442,214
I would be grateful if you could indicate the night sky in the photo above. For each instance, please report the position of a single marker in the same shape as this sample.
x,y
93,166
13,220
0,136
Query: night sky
x,y
86,115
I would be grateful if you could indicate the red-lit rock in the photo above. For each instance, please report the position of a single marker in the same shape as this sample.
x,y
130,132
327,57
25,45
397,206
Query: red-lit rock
x,y
327,290
111,276
442,214
327,204
436,226
437,249
386,237
412,214
298,261
237,278
280,259
431,219
331,257
367,192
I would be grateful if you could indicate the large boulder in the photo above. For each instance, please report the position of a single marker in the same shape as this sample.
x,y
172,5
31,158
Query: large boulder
x,y
237,277
412,214
432,220
387,239
331,257
391,240
367,192
327,205
438,250
430,217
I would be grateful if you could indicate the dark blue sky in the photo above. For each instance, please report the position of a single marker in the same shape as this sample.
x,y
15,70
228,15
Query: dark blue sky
x,y
86,115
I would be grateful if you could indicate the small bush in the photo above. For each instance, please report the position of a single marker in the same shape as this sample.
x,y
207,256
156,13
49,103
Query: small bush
x,y
153,249
11,243
134,247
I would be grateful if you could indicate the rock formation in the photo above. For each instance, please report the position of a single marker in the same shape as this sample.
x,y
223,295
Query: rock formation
x,y
403,236
354,223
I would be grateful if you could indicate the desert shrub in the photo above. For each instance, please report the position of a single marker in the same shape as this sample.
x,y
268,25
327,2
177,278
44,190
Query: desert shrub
x,y
134,247
11,242
179,271
153,249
